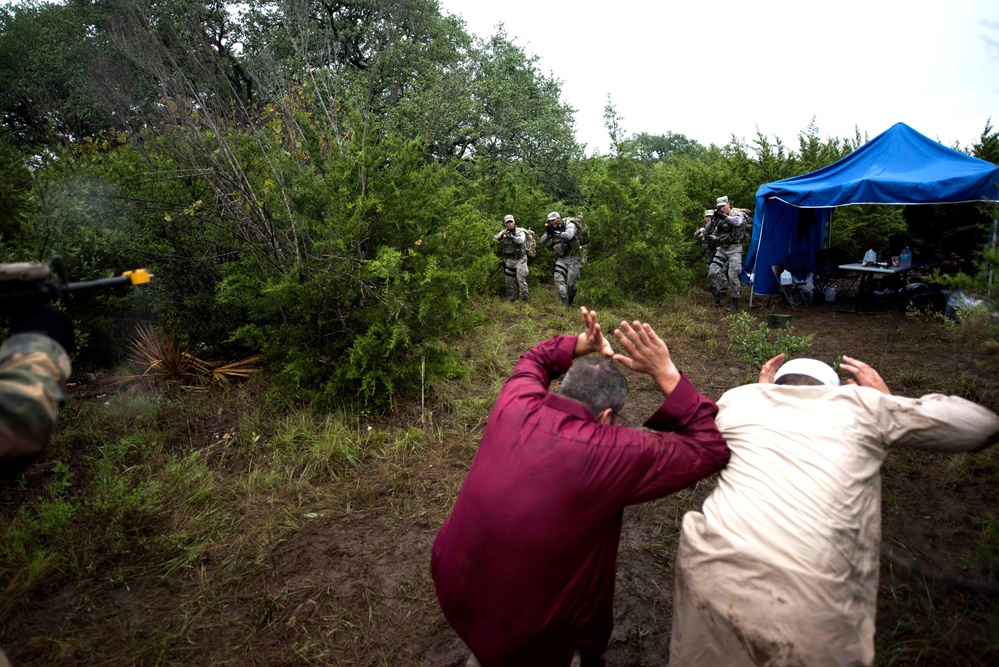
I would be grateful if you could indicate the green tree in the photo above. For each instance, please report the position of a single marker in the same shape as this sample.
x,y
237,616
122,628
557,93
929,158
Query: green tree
x,y
658,147
15,184
636,228
46,55
520,119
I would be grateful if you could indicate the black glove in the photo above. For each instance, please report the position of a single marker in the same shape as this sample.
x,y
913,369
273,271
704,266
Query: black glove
x,y
49,321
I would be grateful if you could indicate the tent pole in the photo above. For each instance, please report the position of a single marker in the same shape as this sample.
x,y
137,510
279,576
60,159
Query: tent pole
x,y
992,244
756,260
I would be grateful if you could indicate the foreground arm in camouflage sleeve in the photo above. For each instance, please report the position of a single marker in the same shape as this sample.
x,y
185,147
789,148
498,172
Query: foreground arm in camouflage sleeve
x,y
33,374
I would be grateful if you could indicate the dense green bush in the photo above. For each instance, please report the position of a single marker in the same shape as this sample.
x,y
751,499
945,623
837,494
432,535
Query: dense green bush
x,y
322,187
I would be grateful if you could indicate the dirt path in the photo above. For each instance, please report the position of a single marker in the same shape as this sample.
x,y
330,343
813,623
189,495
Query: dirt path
x,y
384,562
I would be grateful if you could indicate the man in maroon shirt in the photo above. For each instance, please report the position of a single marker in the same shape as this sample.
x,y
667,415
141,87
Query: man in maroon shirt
x,y
524,566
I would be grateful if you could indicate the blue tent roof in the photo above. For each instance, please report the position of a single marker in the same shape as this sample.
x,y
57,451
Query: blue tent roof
x,y
899,166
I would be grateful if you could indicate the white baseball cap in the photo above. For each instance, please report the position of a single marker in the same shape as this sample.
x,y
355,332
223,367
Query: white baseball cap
x,y
813,368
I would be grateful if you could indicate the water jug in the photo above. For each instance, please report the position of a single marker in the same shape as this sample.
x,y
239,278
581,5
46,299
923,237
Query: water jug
x,y
785,278
905,257
870,257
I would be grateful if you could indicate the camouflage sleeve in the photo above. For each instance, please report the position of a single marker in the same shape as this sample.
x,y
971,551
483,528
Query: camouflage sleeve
x,y
33,374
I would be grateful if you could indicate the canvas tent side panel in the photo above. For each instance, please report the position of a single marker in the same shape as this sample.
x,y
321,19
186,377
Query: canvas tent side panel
x,y
779,231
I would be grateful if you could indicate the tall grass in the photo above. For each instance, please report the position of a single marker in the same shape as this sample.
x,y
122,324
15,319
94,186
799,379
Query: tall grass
x,y
176,508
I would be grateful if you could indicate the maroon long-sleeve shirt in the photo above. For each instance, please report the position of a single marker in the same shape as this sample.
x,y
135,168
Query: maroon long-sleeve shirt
x,y
524,566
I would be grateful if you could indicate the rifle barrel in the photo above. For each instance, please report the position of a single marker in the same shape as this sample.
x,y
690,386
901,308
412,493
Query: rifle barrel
x,y
86,285
42,291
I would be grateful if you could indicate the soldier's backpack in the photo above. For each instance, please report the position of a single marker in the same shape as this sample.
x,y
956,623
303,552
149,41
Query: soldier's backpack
x,y
530,243
747,226
582,239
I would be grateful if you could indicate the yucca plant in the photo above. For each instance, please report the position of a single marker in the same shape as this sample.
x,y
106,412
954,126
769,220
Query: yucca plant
x,y
166,363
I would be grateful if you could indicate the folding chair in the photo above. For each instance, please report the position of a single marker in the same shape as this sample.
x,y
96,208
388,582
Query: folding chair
x,y
791,290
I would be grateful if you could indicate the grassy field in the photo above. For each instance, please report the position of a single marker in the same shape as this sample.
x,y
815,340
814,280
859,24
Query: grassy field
x,y
237,526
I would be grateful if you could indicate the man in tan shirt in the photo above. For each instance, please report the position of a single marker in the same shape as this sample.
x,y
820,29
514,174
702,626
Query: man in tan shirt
x,y
781,565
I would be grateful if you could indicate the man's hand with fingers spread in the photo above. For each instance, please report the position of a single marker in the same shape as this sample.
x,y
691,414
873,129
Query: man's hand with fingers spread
x,y
592,339
864,374
647,353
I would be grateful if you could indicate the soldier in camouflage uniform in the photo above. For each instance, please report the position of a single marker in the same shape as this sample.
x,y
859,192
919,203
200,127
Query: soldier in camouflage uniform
x,y
701,235
728,231
512,240
565,245
34,368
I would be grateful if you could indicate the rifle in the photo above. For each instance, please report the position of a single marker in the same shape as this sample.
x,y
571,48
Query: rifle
x,y
25,285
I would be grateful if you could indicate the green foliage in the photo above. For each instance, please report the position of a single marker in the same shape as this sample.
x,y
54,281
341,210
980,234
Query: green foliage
x,y
635,230
986,555
754,343
384,258
976,324
48,539
319,182
855,229
15,184
654,148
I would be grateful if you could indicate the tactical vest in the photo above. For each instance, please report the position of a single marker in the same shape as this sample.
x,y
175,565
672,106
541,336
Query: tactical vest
x,y
509,248
729,234
563,248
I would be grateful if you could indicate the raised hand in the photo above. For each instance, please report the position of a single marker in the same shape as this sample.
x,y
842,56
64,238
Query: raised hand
x,y
769,369
864,374
592,339
648,354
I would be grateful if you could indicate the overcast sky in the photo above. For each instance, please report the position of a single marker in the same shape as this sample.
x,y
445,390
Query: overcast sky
x,y
710,69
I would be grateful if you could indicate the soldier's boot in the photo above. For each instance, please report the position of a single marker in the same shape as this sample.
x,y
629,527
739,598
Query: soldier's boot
x,y
735,305
718,298
524,298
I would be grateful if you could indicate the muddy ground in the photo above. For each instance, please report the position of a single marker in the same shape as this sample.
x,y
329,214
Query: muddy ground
x,y
931,522
350,584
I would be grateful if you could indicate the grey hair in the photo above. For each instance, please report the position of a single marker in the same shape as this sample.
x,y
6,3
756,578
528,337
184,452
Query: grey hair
x,y
596,383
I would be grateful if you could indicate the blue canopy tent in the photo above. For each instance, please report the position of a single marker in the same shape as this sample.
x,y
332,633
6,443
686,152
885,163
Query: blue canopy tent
x,y
899,166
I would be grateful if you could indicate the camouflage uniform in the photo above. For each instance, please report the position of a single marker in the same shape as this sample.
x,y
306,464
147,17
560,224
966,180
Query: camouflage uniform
x,y
568,263
723,272
514,262
33,374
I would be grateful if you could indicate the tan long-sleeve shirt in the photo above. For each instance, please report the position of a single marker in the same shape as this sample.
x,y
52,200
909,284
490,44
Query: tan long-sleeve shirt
x,y
781,565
